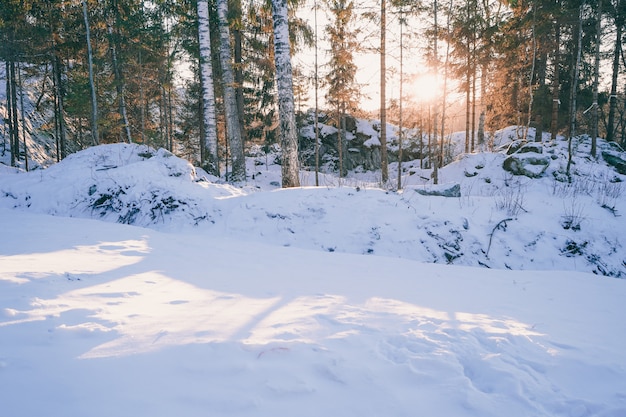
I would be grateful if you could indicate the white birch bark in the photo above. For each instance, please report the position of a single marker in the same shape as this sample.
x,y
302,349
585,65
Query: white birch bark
x,y
286,108
211,162
233,128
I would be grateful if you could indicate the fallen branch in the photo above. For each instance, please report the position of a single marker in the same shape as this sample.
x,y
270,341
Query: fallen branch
x,y
496,227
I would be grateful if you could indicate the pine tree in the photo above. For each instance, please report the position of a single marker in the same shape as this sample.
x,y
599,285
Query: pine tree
x,y
343,92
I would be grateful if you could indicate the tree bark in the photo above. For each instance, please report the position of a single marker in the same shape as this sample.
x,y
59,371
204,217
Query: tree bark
x,y
92,85
435,160
119,86
210,161
233,128
236,13
383,100
596,77
554,123
23,114
619,23
284,82
574,90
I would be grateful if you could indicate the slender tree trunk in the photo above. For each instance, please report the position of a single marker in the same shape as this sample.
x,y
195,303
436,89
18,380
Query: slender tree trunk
x,y
233,128
468,103
574,90
236,13
56,68
383,99
11,111
317,131
445,85
284,82
473,133
119,85
340,126
399,185
435,160
19,77
92,85
531,78
482,116
619,23
142,100
596,77
8,105
170,115
554,123
210,160
468,84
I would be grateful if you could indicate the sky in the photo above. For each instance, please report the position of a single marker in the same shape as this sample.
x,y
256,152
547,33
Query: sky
x,y
344,299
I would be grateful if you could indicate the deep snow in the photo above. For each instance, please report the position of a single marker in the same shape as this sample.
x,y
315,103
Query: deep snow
x,y
337,300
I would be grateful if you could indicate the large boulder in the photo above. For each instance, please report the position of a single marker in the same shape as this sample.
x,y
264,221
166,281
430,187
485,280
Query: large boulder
x,y
441,190
616,159
528,160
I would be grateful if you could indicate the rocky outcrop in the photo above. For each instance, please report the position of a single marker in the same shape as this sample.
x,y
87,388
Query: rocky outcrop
x,y
441,190
616,159
528,160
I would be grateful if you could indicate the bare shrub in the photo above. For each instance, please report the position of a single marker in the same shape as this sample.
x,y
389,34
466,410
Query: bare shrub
x,y
510,198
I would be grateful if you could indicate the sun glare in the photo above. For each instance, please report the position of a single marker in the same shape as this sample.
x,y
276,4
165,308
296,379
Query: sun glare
x,y
426,87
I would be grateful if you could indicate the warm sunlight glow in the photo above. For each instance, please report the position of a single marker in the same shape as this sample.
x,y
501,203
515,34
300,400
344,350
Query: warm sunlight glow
x,y
74,262
426,87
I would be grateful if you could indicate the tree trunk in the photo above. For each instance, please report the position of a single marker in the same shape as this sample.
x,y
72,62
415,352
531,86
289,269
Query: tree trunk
x,y
531,78
619,23
62,133
92,85
468,77
119,85
236,13
383,100
554,123
11,117
596,76
481,118
233,128
340,132
210,160
445,86
473,132
574,90
284,83
399,184
434,160
317,131
19,78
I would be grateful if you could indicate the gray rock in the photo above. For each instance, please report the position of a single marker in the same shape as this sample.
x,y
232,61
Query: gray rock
x,y
531,165
441,190
616,159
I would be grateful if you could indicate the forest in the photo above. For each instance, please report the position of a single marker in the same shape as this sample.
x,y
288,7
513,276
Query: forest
x,y
206,79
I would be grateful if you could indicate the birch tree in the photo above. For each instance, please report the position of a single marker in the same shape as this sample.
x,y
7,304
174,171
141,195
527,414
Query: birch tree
x,y
233,127
210,160
286,109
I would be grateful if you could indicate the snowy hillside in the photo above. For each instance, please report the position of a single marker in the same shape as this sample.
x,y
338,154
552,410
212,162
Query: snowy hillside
x,y
133,284
499,221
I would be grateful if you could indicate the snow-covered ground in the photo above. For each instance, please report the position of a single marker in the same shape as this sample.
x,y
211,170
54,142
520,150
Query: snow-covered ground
x,y
343,300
